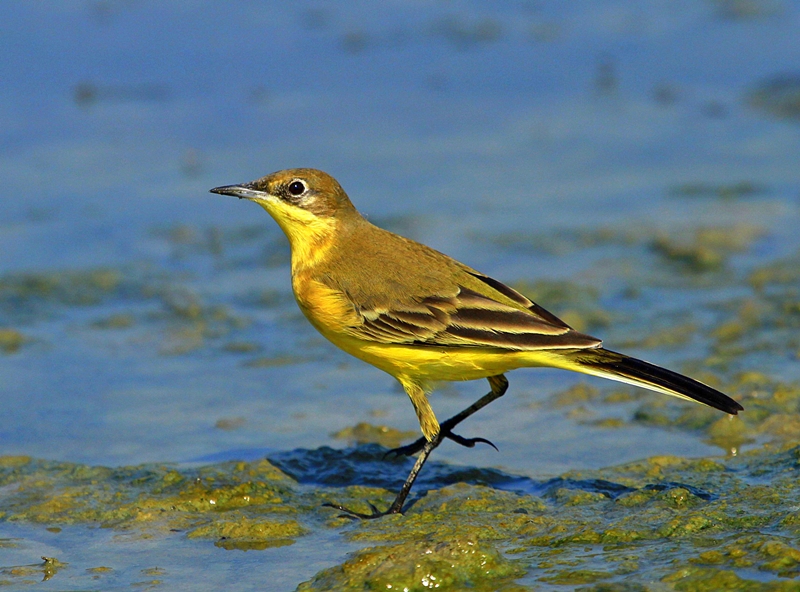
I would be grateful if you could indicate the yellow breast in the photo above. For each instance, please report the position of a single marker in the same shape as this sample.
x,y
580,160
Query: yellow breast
x,y
327,309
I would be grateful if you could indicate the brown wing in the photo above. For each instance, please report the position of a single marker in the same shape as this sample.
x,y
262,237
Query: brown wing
x,y
469,319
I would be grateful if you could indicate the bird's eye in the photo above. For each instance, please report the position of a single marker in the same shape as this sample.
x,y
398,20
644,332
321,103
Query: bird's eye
x,y
297,188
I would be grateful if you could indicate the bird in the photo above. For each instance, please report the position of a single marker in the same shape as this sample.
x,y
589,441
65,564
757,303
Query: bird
x,y
425,318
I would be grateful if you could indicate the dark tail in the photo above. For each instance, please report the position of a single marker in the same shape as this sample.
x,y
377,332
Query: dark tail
x,y
609,364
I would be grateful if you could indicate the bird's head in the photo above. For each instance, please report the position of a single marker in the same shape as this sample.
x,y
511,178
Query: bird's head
x,y
308,204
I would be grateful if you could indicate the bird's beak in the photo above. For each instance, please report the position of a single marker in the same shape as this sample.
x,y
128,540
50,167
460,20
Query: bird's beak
x,y
243,191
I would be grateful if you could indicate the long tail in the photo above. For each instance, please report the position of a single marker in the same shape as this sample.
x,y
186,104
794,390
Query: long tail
x,y
622,368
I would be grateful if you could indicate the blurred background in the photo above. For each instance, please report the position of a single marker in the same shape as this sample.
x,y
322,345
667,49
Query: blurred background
x,y
632,166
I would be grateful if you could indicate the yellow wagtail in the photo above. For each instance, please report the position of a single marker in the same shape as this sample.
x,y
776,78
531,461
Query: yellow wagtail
x,y
423,317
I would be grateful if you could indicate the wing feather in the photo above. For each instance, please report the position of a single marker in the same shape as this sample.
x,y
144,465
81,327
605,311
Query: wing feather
x,y
520,299
470,319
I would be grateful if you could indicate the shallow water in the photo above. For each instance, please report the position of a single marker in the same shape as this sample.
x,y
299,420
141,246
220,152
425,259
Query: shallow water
x,y
634,169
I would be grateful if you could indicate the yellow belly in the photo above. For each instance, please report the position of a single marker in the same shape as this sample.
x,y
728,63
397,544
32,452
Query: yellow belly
x,y
433,363
425,364
331,315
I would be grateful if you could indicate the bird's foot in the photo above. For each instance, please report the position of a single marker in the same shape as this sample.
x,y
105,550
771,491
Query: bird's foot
x,y
417,445
353,515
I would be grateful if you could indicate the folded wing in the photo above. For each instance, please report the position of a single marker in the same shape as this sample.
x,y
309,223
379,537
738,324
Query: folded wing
x,y
466,318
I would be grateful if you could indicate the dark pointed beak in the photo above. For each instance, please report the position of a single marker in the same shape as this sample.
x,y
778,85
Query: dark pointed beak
x,y
243,191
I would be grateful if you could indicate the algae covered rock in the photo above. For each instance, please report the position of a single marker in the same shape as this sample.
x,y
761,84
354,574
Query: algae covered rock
x,y
456,564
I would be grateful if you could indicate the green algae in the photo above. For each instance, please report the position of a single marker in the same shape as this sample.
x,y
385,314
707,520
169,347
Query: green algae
x,y
678,511
465,32
225,244
241,347
44,571
772,409
572,577
705,249
675,336
459,510
183,320
576,304
778,96
741,10
741,189
186,239
51,567
685,521
191,324
709,579
413,565
230,423
153,500
10,340
564,241
692,250
237,531
69,287
367,433
115,321
576,394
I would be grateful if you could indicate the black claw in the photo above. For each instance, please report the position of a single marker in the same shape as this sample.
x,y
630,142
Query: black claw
x,y
414,447
353,515
407,450
470,442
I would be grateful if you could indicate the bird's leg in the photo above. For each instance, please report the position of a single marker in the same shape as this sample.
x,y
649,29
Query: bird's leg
x,y
499,386
397,505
